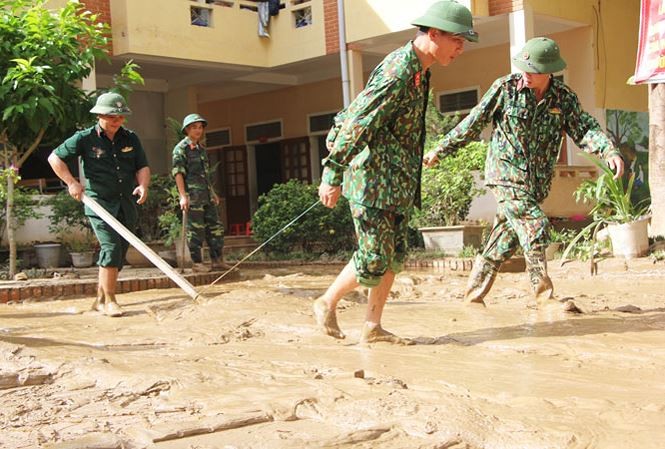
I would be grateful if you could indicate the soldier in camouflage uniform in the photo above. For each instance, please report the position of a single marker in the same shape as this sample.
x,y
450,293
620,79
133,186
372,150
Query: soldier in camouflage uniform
x,y
116,170
376,150
529,112
191,171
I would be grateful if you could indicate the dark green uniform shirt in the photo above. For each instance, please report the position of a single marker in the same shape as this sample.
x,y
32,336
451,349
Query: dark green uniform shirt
x,y
527,134
192,162
110,167
376,144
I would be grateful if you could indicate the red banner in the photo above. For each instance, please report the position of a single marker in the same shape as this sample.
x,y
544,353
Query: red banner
x,y
650,67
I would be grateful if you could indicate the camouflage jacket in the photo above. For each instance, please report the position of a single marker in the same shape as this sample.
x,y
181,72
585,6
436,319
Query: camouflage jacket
x,y
192,163
376,144
527,135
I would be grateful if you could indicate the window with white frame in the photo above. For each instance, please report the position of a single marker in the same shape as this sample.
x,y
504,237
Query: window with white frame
x,y
302,13
200,15
318,126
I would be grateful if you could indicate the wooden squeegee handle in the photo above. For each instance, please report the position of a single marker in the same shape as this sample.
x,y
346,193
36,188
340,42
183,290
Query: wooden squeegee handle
x,y
140,246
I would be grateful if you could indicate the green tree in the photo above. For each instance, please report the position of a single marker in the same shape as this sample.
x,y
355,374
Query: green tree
x,y
44,54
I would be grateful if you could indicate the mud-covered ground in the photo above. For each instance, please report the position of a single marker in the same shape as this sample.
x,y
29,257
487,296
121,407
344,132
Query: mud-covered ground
x,y
248,369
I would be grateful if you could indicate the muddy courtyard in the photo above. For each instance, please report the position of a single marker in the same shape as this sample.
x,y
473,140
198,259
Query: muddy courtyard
x,y
247,367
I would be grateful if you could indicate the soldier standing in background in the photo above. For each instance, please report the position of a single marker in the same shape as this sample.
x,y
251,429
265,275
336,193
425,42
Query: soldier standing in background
x,y
376,146
191,170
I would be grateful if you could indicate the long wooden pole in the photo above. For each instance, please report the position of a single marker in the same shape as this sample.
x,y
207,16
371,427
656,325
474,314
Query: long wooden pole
x,y
140,246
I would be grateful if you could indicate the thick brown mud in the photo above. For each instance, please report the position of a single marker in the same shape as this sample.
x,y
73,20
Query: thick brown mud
x,y
248,367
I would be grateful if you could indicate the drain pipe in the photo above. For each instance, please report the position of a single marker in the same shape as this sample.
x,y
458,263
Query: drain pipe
x,y
344,63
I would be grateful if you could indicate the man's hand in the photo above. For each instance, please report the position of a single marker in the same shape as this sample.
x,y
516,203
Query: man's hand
x,y
430,159
215,199
616,164
75,190
184,202
329,194
142,192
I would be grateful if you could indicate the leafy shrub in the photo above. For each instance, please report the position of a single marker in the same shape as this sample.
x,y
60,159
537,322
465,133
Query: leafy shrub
x,y
321,229
159,202
67,214
69,222
449,188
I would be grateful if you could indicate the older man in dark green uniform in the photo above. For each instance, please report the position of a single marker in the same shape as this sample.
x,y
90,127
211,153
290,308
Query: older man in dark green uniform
x,y
116,170
529,111
376,149
191,170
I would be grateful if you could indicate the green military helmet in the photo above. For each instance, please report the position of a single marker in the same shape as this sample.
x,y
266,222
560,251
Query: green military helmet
x,y
193,118
111,103
540,55
450,16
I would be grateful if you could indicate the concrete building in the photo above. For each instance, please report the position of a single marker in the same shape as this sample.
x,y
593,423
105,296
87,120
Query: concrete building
x,y
270,100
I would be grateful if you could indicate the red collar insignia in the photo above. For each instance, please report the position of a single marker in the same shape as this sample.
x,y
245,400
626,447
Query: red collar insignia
x,y
416,79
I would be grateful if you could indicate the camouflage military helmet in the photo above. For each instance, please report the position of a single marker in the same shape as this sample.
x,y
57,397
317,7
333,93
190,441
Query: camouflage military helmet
x,y
111,103
450,16
540,55
193,118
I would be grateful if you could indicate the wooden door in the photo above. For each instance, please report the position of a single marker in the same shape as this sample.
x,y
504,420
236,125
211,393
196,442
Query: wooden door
x,y
231,182
296,159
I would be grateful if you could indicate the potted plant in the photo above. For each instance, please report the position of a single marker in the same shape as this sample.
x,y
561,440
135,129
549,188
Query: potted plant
x,y
447,192
68,221
626,220
81,248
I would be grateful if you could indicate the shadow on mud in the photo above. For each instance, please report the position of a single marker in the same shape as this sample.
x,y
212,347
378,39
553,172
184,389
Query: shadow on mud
x,y
564,328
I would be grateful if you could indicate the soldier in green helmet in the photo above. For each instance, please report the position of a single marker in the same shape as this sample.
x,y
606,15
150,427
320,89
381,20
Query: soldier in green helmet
x,y
116,172
376,149
191,170
529,112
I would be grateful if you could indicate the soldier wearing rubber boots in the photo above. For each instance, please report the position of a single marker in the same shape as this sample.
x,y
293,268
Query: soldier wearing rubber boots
x,y
116,169
376,149
529,112
191,170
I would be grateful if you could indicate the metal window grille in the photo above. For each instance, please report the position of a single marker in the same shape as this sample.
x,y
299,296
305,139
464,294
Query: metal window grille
x,y
263,132
303,17
219,138
321,122
200,16
458,101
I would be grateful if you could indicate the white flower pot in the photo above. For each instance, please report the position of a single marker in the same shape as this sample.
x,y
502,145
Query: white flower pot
x,y
83,259
630,239
452,239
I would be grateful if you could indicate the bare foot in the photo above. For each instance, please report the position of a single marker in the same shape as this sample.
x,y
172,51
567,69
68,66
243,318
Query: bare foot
x,y
475,302
375,333
326,319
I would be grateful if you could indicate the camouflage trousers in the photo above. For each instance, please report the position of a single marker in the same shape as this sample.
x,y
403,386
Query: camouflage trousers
x,y
382,240
519,221
203,225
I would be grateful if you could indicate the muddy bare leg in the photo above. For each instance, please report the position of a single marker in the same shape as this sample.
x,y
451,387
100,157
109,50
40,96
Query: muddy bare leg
x,y
325,306
98,305
108,277
541,283
372,331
